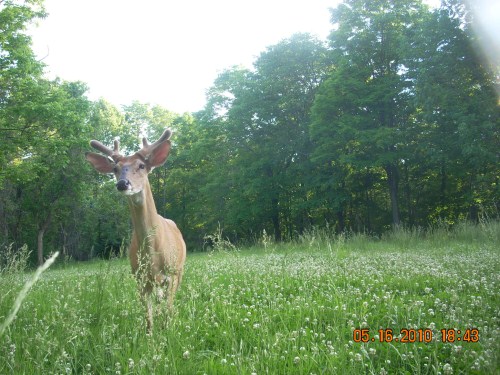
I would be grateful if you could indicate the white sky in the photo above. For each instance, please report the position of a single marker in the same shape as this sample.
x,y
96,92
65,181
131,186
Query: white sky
x,y
163,51
169,52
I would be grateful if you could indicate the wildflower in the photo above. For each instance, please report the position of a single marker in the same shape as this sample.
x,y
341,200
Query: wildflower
x,y
457,349
296,360
372,351
447,369
185,355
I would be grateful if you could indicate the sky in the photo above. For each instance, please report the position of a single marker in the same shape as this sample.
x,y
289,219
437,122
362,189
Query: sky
x,y
165,52
169,52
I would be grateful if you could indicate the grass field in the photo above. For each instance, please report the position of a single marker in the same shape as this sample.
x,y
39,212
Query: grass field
x,y
300,308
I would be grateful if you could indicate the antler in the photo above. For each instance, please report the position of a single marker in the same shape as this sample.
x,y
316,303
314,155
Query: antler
x,y
147,148
114,154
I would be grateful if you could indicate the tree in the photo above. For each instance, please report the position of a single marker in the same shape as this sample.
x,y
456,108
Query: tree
x,y
261,119
20,74
455,94
52,172
363,110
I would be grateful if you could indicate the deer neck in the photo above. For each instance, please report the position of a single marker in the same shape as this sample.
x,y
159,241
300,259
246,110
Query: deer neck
x,y
144,215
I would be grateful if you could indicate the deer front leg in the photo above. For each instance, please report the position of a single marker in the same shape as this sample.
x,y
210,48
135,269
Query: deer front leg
x,y
148,304
145,288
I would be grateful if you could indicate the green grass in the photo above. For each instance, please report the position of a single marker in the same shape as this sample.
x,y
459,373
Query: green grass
x,y
274,309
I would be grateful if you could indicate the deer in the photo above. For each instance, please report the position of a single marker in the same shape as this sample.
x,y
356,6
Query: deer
x,y
157,249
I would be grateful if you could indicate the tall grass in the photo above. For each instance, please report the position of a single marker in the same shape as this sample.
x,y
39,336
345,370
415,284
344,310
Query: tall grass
x,y
14,260
273,309
24,292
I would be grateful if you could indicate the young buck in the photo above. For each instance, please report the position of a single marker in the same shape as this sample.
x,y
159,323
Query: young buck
x,y
157,250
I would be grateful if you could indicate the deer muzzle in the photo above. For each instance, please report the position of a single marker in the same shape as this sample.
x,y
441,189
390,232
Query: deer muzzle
x,y
123,185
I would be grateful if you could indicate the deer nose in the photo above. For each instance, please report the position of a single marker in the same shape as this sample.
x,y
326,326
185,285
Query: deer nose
x,y
122,185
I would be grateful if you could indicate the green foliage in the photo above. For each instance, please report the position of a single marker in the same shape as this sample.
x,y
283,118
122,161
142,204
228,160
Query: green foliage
x,y
393,123
20,73
262,150
289,308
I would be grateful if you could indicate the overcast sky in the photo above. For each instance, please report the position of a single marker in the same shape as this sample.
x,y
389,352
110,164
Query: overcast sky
x,y
169,52
165,52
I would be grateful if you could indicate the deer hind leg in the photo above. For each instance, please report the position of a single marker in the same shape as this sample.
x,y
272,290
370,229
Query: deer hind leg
x,y
172,288
161,283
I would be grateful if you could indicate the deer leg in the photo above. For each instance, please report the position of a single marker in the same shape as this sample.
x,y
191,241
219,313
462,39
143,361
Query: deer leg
x,y
149,314
145,291
146,299
172,289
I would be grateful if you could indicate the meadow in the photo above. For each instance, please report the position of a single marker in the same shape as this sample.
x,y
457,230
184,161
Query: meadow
x,y
324,304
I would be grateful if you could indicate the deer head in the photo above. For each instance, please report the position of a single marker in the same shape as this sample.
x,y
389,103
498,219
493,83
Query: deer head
x,y
130,171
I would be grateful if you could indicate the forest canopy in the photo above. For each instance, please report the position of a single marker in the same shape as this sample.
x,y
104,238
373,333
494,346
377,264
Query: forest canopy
x,y
394,120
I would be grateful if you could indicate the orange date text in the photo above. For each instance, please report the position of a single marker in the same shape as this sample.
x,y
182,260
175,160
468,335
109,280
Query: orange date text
x,y
423,335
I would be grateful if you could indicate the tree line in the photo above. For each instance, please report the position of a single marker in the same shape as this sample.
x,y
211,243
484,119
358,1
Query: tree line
x,y
392,121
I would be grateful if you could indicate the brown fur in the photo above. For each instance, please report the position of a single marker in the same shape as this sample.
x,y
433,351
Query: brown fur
x,y
157,250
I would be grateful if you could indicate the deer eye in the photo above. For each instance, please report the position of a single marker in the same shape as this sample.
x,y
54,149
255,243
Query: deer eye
x,y
115,169
142,166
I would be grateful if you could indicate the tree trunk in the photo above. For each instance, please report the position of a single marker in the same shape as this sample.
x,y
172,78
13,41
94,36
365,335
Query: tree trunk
x,y
276,219
408,192
41,232
393,182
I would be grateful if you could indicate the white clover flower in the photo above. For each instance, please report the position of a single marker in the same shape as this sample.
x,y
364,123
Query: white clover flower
x,y
457,348
185,355
296,360
447,369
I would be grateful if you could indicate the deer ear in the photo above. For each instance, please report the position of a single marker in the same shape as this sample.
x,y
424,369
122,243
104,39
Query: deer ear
x,y
159,154
101,163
